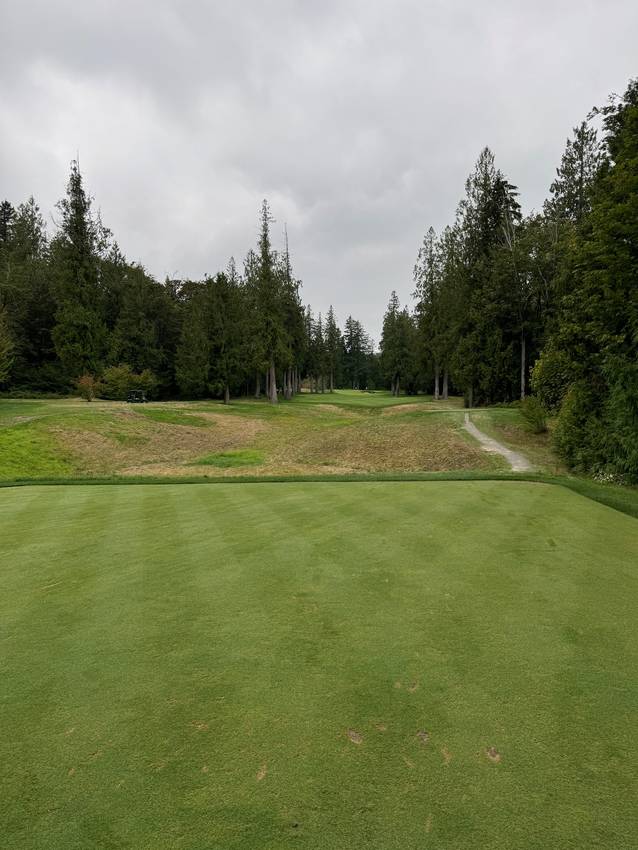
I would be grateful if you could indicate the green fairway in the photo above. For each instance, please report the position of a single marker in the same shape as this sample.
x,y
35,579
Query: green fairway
x,y
329,665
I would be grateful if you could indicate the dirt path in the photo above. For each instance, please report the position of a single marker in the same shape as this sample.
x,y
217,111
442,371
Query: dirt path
x,y
517,461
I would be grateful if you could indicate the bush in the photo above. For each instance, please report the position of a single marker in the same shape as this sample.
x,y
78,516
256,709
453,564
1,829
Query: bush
x,y
551,378
87,387
580,436
118,381
534,414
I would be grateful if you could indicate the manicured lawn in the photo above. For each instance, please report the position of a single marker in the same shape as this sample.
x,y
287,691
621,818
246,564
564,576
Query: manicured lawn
x,y
331,665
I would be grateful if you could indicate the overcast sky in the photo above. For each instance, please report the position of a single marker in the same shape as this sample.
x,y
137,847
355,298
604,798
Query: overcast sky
x,y
358,120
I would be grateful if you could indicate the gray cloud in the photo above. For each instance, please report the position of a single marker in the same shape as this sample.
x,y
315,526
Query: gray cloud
x,y
358,120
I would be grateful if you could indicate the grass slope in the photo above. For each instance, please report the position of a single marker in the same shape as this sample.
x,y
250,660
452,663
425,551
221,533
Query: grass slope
x,y
340,433
250,666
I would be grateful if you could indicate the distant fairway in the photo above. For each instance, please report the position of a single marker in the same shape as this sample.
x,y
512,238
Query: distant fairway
x,y
327,665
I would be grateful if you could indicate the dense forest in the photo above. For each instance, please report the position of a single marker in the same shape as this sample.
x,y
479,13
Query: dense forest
x,y
75,314
507,307
546,304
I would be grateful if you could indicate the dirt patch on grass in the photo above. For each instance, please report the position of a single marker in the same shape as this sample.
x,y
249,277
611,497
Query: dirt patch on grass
x,y
493,754
354,736
261,773
423,736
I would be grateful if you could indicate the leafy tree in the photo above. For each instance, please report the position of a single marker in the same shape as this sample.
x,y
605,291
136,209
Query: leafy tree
x,y
118,381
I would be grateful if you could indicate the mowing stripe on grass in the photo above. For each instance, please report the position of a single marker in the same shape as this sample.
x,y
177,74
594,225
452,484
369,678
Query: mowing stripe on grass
x,y
371,665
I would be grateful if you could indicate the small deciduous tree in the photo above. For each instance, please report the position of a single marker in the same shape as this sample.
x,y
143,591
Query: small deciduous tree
x,y
87,387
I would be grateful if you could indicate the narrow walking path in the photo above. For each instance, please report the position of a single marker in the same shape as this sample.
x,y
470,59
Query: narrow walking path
x,y
517,461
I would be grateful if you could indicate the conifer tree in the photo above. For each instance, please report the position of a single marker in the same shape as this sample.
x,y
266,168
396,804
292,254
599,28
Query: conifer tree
x,y
80,334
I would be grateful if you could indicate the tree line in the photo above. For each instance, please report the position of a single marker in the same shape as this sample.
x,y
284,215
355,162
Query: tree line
x,y
74,313
546,304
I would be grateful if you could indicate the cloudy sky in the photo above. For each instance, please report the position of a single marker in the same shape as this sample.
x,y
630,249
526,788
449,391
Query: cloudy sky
x,y
359,120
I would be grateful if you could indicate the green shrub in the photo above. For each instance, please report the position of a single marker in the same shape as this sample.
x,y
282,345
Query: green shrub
x,y
534,414
118,381
551,378
580,435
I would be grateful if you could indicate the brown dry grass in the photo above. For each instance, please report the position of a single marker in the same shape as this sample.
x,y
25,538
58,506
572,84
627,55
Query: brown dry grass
x,y
295,440
382,446
140,446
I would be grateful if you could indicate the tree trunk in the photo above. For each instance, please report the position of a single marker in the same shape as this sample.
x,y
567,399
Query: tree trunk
x,y
257,385
445,383
332,381
272,384
470,396
323,384
226,394
522,365
396,387
437,372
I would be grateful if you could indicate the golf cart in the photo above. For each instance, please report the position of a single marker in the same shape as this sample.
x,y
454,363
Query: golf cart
x,y
136,397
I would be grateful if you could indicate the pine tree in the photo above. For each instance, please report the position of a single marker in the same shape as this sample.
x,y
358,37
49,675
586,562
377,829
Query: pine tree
x,y
80,334
597,336
192,358
7,214
270,321
333,348
227,344
570,191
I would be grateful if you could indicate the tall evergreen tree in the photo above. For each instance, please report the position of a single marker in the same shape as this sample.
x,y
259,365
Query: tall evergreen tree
x,y
333,348
570,191
80,334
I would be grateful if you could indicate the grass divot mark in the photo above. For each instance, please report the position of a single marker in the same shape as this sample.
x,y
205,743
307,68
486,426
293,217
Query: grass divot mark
x,y
261,773
413,687
355,737
447,755
380,727
408,762
201,727
493,754
423,736
428,823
